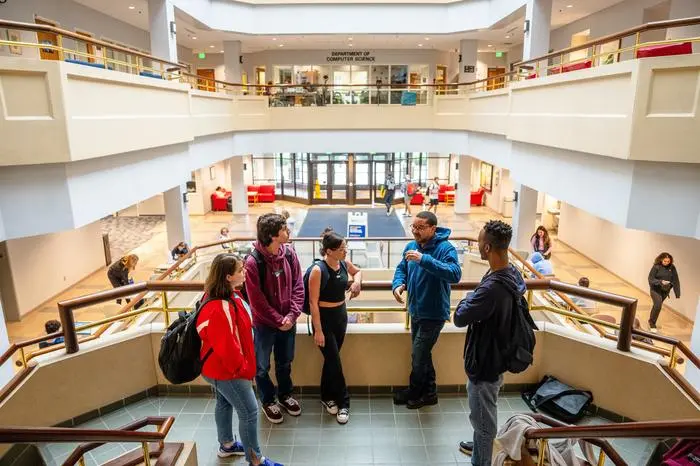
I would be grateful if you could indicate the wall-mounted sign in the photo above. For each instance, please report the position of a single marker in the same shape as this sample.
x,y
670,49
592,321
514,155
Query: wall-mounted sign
x,y
357,56
469,69
499,54
202,55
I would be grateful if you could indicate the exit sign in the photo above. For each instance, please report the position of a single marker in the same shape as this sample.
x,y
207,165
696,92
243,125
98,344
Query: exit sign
x,y
202,55
499,54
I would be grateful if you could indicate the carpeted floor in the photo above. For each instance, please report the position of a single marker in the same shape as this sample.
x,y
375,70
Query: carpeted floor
x,y
378,224
127,233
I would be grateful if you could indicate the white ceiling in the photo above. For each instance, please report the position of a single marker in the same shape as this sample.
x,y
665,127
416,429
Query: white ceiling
x,y
212,41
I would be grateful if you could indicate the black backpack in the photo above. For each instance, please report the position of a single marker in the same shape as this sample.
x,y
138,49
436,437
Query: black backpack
x,y
180,347
519,351
262,267
325,276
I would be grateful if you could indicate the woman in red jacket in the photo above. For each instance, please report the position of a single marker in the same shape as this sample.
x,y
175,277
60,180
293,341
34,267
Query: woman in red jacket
x,y
225,327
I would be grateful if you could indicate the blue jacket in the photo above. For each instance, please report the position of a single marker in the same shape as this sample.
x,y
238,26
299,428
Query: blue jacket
x,y
428,282
541,264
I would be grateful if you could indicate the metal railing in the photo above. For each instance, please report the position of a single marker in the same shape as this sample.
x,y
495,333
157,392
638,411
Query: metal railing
x,y
152,443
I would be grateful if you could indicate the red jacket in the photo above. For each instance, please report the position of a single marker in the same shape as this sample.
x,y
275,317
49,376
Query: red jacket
x,y
228,330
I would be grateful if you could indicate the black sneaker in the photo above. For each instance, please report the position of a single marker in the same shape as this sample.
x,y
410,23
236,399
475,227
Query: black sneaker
x,y
331,407
291,405
401,397
425,400
273,413
466,447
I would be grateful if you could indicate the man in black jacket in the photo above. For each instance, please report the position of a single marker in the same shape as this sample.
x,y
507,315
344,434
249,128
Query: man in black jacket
x,y
488,312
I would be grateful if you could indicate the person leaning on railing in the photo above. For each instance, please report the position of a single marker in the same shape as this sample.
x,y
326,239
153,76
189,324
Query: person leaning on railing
x,y
118,273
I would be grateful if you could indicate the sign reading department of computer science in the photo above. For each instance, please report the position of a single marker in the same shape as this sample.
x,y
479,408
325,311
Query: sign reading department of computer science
x,y
350,56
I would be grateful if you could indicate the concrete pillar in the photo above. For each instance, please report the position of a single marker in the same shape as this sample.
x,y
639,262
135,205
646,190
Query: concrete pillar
x,y
232,61
239,192
524,217
177,220
464,185
684,9
692,373
468,50
6,370
536,41
161,14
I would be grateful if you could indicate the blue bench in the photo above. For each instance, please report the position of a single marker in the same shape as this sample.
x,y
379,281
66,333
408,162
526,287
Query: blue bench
x,y
85,63
150,75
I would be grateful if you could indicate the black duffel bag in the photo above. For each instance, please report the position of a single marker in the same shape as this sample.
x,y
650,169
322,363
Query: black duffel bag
x,y
557,399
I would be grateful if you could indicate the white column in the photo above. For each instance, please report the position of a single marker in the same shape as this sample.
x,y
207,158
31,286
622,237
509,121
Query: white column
x,y
684,9
239,192
536,41
692,373
161,14
6,370
177,220
232,61
524,217
468,50
464,185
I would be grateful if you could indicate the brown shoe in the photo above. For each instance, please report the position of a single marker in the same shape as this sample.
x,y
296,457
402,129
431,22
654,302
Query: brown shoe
x,y
291,405
273,413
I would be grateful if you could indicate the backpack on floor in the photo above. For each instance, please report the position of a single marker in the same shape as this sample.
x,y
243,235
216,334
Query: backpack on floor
x,y
179,355
563,402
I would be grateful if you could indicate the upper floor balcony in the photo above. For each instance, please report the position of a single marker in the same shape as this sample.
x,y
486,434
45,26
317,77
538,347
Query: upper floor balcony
x,y
634,103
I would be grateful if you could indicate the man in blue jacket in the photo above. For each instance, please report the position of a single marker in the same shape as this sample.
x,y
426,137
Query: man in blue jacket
x,y
488,312
428,266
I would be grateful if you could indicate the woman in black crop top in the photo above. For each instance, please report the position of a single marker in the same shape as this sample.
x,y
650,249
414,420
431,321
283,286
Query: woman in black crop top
x,y
328,285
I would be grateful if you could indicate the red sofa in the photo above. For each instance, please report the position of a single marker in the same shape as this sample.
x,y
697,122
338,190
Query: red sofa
x,y
220,203
266,192
476,197
663,50
582,65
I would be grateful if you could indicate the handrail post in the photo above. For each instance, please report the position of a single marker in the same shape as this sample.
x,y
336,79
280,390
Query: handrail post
x,y
146,453
540,452
164,302
68,323
601,458
671,364
624,340
388,254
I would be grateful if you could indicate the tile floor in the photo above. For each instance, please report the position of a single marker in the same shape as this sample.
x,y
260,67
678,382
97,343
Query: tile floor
x,y
378,433
569,264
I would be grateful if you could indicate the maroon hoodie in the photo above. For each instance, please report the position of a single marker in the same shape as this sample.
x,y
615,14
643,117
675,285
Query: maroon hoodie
x,y
282,292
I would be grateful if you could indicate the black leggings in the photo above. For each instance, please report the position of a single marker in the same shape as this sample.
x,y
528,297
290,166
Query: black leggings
x,y
334,324
658,300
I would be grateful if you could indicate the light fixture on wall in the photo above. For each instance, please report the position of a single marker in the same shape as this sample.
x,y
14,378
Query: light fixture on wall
x,y
173,27
526,26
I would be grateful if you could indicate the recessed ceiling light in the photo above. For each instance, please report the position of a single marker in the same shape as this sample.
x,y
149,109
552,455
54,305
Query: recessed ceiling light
x,y
349,38
427,38
132,7
569,6
507,37
221,51
490,45
194,37
274,38
281,45
420,45
350,45
211,46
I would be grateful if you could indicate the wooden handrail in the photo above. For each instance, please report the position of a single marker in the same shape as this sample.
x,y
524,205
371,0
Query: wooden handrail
x,y
645,429
126,434
47,28
670,23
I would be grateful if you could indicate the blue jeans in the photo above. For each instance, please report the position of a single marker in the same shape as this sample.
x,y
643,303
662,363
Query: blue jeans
x,y
483,406
424,335
266,340
236,394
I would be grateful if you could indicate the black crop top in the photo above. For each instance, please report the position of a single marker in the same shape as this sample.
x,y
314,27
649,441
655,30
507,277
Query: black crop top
x,y
334,291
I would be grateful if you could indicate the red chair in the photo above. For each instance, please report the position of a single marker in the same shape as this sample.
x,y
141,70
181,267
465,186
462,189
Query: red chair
x,y
417,199
442,190
582,65
220,203
266,193
476,198
664,50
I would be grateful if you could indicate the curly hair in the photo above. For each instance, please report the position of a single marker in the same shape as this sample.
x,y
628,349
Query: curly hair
x,y
661,257
269,226
498,234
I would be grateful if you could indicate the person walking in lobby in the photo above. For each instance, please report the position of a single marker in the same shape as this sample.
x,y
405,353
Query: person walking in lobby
x,y
541,242
275,288
390,186
428,266
225,327
408,189
118,273
433,195
488,312
663,277
327,285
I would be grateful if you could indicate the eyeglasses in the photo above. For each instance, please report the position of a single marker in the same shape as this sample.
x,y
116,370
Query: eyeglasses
x,y
420,227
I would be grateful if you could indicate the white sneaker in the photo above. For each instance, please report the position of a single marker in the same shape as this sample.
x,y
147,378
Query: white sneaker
x,y
331,407
343,416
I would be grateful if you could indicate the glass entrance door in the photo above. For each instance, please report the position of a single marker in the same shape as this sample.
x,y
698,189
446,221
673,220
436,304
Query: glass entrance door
x,y
329,179
363,182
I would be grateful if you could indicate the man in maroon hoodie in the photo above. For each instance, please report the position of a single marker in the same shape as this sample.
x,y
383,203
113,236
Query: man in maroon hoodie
x,y
276,304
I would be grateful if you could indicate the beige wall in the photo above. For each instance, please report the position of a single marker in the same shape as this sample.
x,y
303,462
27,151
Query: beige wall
x,y
631,253
42,266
